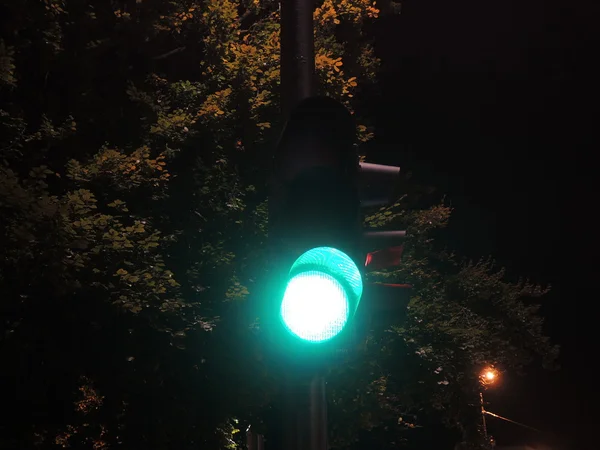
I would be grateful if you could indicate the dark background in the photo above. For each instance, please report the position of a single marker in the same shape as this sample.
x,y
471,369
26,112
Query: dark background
x,y
492,103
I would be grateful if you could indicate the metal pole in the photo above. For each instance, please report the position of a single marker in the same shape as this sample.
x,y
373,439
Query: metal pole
x,y
305,413
254,441
260,444
483,416
317,406
250,440
297,53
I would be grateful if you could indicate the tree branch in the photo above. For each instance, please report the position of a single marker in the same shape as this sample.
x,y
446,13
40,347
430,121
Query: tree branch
x,y
170,53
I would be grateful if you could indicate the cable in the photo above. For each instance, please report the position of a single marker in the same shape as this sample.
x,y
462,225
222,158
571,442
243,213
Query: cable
x,y
509,420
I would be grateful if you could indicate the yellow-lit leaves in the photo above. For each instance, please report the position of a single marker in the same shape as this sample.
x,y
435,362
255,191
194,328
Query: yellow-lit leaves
x,y
185,15
363,133
220,19
119,205
101,241
329,70
89,399
147,286
55,6
62,439
236,291
48,130
176,19
122,15
121,170
216,105
435,217
326,13
85,427
80,202
252,60
119,237
347,87
324,61
355,11
406,424
154,280
330,51
173,124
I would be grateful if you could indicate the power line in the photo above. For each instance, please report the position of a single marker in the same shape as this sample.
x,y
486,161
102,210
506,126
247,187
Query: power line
x,y
509,420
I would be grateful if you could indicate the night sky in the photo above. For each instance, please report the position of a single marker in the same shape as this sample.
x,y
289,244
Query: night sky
x,y
491,102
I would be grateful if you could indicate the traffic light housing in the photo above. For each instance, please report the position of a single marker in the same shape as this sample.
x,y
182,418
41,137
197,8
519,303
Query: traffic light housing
x,y
315,228
319,249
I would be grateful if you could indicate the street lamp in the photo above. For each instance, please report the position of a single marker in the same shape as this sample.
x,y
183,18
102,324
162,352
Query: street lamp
x,y
488,376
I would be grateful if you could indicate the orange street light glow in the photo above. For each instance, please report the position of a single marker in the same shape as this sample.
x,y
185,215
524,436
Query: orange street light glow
x,y
488,376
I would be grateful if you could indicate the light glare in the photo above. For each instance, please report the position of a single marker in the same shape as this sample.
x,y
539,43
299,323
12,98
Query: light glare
x,y
488,376
315,306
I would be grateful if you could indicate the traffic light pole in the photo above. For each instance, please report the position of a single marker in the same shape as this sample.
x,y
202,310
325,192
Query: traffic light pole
x,y
297,53
305,413
305,405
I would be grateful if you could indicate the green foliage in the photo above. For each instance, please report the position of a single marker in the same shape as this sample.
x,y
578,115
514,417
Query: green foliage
x,y
7,65
462,317
134,148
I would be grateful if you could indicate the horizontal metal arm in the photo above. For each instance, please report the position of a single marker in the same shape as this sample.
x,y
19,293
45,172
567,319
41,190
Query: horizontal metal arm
x,y
372,235
377,183
379,169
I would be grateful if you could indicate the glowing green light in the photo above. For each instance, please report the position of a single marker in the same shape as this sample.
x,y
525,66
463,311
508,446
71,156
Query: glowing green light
x,y
323,292
315,306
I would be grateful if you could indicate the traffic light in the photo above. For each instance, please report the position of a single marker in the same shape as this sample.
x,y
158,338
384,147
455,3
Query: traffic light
x,y
315,229
318,252
319,248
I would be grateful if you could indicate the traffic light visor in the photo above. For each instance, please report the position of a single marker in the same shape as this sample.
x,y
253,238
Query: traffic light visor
x,y
323,291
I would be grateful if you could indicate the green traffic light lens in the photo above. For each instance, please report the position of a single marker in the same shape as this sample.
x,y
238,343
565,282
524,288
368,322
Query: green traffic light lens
x,y
315,306
334,262
324,290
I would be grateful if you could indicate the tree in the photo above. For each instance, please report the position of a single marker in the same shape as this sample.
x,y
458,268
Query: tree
x,y
136,139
